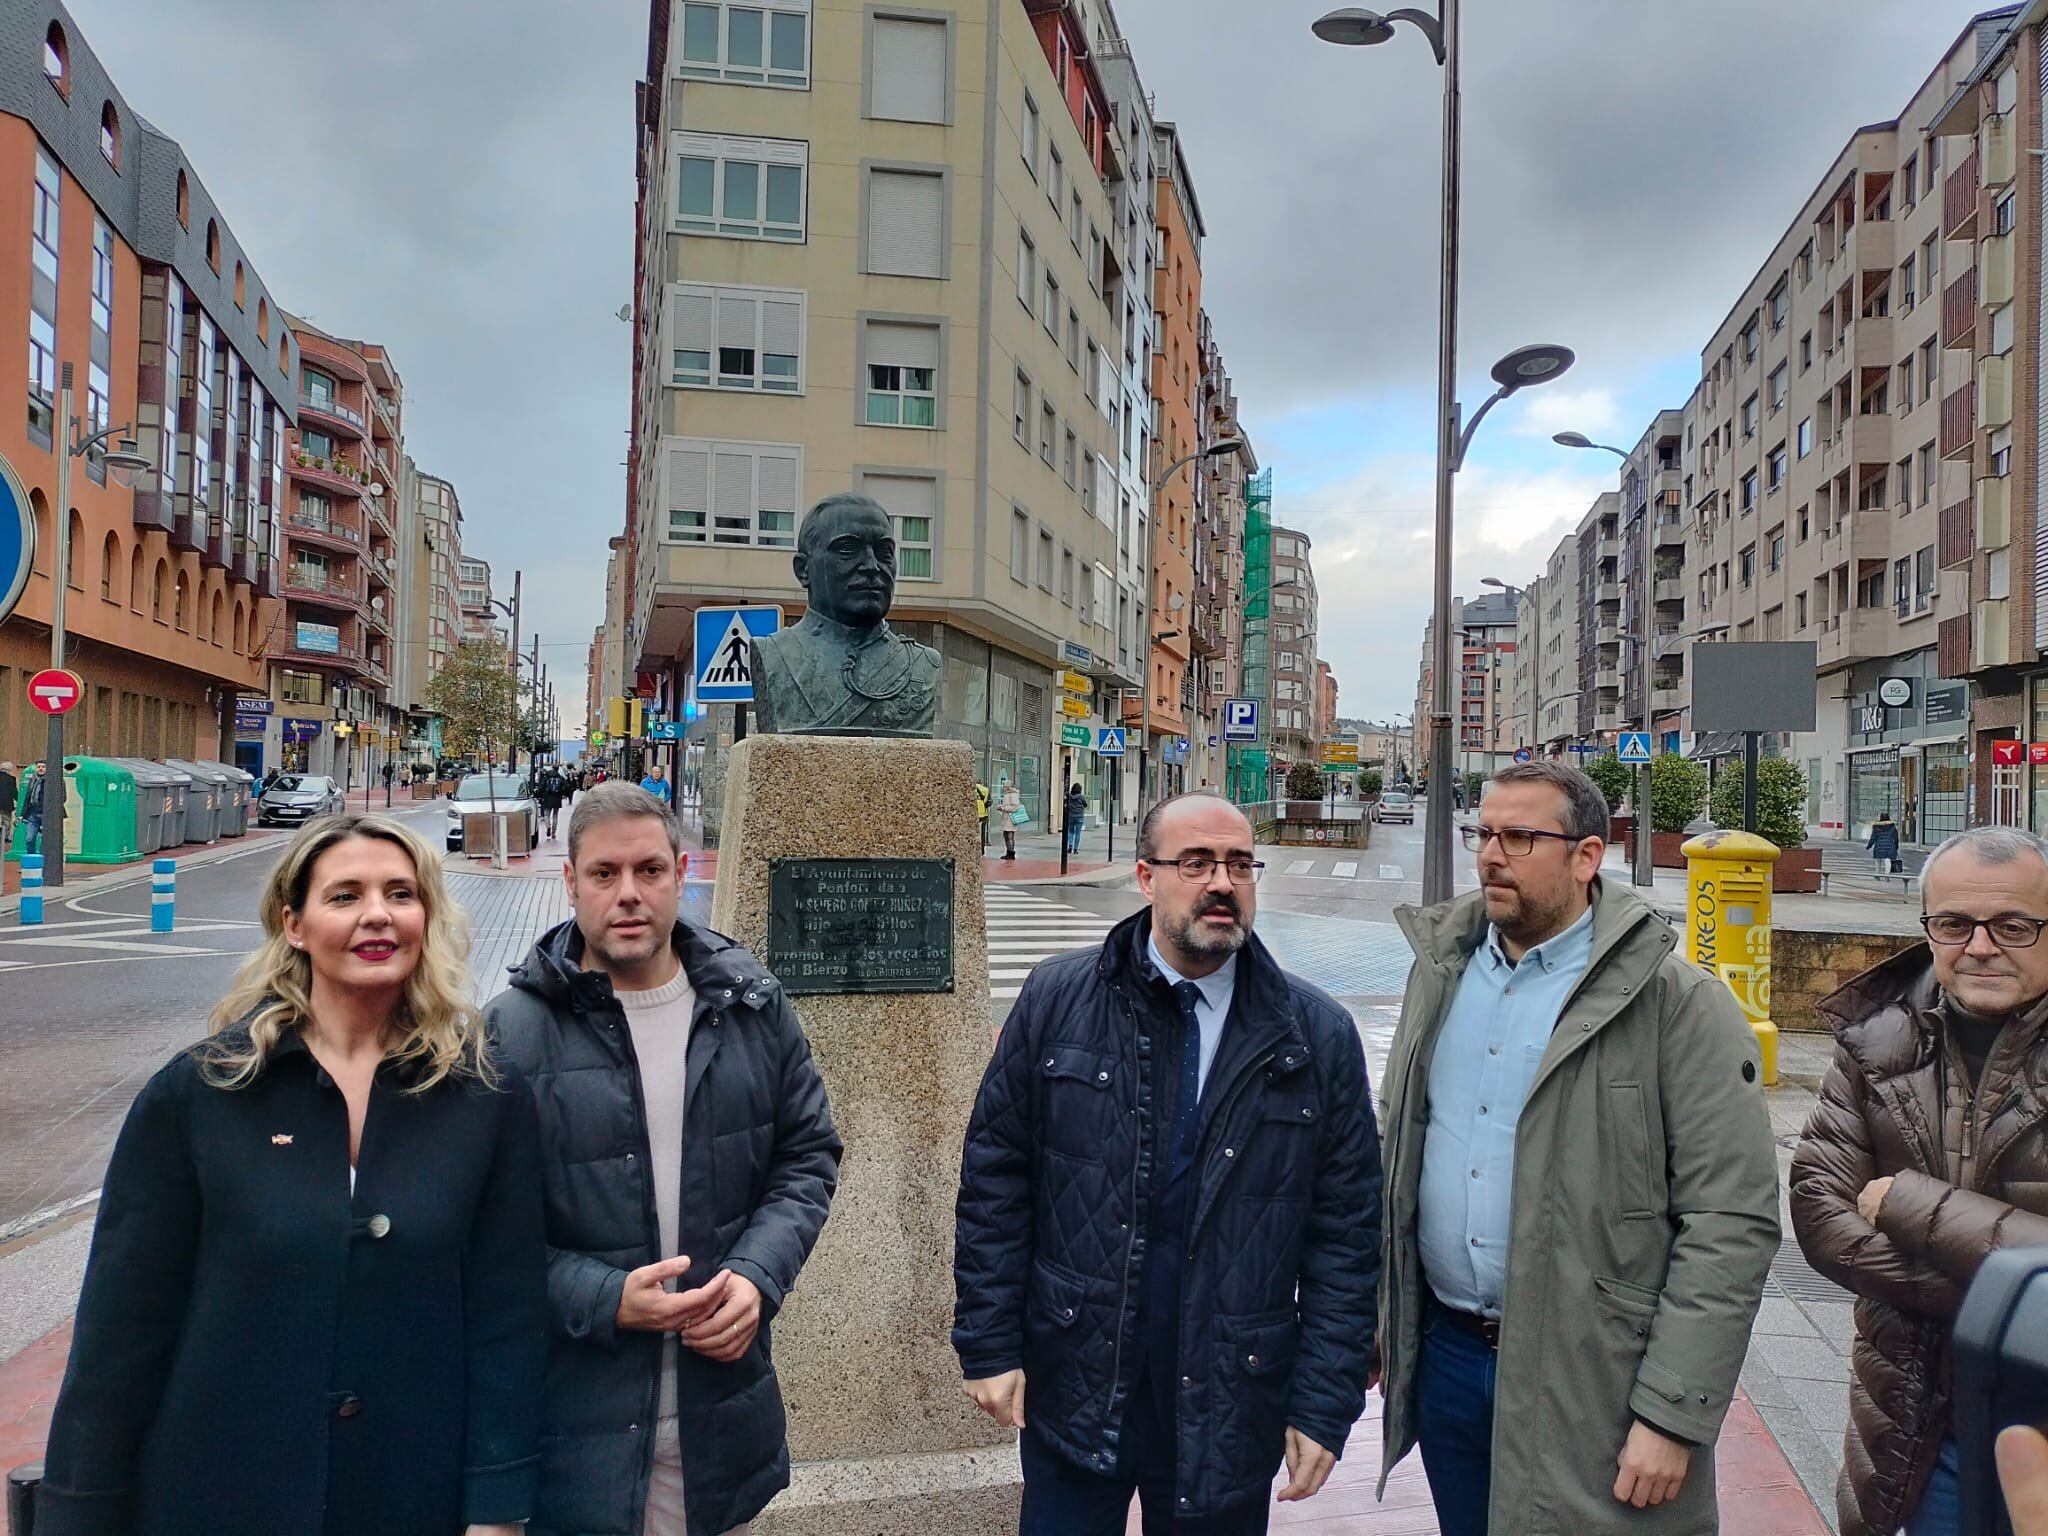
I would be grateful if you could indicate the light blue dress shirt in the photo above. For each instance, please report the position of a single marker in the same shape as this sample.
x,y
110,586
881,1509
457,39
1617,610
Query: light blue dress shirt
x,y
1212,1012
1487,1056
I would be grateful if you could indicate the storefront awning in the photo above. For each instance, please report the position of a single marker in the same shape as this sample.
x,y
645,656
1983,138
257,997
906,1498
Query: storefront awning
x,y
1936,741
1716,744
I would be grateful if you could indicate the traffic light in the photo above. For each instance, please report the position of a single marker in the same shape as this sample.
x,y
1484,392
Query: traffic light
x,y
627,719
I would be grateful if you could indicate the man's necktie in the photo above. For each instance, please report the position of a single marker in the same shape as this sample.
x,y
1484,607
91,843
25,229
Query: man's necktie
x,y
1188,1100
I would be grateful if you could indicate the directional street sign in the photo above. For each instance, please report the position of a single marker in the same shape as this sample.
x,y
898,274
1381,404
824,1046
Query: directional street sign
x,y
724,660
1524,755
17,539
1109,741
53,692
1240,719
1635,747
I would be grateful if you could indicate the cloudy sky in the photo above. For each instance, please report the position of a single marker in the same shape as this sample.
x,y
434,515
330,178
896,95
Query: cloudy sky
x,y
454,178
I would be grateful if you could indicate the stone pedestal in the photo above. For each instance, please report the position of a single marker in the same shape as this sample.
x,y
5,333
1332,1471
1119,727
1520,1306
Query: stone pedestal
x,y
883,1439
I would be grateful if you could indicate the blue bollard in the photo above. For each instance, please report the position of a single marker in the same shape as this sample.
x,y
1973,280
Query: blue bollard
x,y
31,889
163,895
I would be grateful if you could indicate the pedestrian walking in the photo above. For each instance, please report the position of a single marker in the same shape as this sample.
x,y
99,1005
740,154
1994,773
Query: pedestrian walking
x,y
549,791
1076,815
32,809
390,774
1582,1185
10,794
1927,1150
722,1188
1168,1224
981,800
1010,805
316,1296
1883,843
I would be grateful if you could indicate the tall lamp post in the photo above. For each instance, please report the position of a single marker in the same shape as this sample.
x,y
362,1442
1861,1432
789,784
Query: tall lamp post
x,y
1353,26
511,611
123,463
1643,864
1216,450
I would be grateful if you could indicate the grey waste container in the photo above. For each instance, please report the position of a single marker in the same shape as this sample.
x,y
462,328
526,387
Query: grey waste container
x,y
162,794
237,808
203,809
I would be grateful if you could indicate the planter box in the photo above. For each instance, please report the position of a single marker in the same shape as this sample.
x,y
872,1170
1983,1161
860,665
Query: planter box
x,y
1621,831
1797,871
1664,849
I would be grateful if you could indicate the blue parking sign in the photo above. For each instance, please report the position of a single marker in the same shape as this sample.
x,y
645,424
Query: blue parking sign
x,y
1240,720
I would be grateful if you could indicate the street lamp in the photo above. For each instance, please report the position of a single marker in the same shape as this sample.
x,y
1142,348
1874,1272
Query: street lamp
x,y
123,463
1642,870
1216,450
1353,26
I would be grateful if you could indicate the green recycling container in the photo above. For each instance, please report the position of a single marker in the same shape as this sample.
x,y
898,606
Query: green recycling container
x,y
99,812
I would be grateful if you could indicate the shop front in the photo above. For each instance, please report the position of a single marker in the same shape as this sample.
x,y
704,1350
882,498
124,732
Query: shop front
x,y
1907,752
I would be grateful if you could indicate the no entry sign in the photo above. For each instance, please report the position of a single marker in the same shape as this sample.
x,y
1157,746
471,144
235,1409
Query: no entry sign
x,y
55,692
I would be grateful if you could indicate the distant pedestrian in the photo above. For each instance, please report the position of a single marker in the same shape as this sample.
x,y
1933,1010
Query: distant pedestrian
x,y
1167,1250
1010,806
10,794
32,809
1927,1151
549,791
656,784
1076,815
981,801
1582,1191
666,1265
317,1294
1883,843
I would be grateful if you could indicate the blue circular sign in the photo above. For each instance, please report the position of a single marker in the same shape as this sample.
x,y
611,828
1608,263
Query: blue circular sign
x,y
1524,755
17,539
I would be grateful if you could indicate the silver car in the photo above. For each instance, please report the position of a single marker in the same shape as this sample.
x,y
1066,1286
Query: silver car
x,y
298,797
1396,805
480,792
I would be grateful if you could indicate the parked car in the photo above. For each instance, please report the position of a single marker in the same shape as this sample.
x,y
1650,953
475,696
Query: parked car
x,y
298,797
1395,805
479,791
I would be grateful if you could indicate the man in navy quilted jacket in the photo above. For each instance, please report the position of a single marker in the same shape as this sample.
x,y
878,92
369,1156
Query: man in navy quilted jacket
x,y
1167,1253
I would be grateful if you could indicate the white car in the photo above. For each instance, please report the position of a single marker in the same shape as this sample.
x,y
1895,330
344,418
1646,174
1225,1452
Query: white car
x,y
479,791
1396,805
296,798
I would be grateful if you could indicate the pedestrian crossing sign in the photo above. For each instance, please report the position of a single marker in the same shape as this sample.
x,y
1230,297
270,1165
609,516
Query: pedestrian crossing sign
x,y
724,661
1109,741
1635,747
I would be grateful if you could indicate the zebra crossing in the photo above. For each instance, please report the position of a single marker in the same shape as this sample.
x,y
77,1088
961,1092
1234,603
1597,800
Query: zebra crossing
x,y
1293,865
1025,927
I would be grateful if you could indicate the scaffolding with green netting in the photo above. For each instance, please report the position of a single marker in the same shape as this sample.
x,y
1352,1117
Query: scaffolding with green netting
x,y
1248,764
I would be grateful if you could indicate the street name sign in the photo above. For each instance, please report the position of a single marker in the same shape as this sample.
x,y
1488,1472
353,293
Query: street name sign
x,y
1635,747
1076,709
724,659
1074,736
1240,720
55,692
17,539
1109,741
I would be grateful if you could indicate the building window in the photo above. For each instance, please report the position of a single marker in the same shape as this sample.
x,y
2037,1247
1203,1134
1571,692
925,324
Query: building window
x,y
1777,388
740,494
740,189
301,687
763,42
1088,463
1020,545
1805,437
1045,558
213,246
2003,214
748,339
912,502
1806,352
1777,550
1749,491
901,360
1048,431
1020,428
905,226
1052,306
42,317
908,74
57,59
1748,565
1027,271
1774,467
184,202
1749,417
1070,459
110,135
1055,179
1027,136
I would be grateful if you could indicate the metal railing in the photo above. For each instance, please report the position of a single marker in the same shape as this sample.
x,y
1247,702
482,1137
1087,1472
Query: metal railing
x,y
334,408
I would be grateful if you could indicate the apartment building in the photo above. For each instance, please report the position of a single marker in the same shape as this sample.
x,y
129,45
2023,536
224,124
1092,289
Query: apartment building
x,y
1484,643
1821,469
1989,543
1555,708
1220,566
1525,666
1295,729
899,276
1326,697
333,644
1653,510
433,621
120,272
473,598
1597,548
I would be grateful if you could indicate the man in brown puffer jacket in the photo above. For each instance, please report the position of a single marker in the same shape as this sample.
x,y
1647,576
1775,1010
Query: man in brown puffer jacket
x,y
1927,1150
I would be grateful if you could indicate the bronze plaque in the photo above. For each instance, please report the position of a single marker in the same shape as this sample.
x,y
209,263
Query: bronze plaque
x,y
861,925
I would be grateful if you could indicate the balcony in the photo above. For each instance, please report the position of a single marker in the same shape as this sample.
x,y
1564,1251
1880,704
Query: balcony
x,y
322,533
303,585
1670,529
1952,646
1959,311
1665,697
329,412
1954,539
1861,634
1995,150
1669,589
1994,512
1959,423
1872,343
1607,680
1855,538
1607,592
330,475
1994,390
1959,200
1994,267
380,571
1874,245
1991,638
1608,547
380,517
376,621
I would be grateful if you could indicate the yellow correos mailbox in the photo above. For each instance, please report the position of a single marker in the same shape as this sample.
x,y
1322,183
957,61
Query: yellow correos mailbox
x,y
1728,925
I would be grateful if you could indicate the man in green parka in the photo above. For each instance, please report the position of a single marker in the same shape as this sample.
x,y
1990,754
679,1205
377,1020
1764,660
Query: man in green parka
x,y
1581,1189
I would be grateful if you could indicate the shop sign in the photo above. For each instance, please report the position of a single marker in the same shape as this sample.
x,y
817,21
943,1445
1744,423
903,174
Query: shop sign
x,y
1870,719
248,722
245,706
2006,754
2037,753
1946,703
1895,692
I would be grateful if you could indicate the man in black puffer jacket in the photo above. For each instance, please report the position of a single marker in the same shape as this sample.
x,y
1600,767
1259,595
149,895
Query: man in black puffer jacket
x,y
1169,1215
688,1158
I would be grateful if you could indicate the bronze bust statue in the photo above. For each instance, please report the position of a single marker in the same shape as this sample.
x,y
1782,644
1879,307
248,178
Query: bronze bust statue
x,y
840,670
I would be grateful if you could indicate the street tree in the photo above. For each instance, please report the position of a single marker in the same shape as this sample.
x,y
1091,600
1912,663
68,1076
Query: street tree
x,y
473,695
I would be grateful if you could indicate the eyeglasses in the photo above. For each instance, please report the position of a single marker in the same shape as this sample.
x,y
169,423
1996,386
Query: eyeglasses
x,y
1515,842
1198,867
2008,930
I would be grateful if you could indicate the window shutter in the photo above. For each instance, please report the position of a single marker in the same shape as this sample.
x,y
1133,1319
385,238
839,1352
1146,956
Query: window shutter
x,y
904,496
695,320
778,482
732,498
738,321
891,345
689,474
906,235
782,326
908,70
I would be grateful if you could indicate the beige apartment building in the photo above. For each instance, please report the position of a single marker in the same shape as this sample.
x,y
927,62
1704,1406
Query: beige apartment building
x,y
1819,470
1485,642
1296,728
431,545
1556,639
879,253
1219,564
